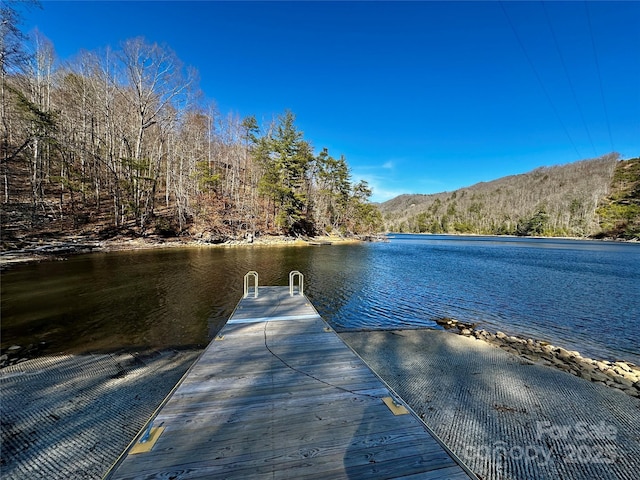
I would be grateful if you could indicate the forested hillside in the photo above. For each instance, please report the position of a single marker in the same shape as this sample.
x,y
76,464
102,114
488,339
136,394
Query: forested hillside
x,y
619,212
120,140
599,197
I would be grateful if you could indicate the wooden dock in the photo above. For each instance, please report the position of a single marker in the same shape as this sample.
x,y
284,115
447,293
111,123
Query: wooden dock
x,y
278,394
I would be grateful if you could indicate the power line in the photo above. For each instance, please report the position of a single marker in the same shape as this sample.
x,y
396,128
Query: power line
x,y
595,55
566,72
535,71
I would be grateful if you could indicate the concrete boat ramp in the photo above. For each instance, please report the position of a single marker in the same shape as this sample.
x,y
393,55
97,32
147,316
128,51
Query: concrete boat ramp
x,y
278,394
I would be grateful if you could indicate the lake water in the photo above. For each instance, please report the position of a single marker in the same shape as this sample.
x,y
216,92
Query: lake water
x,y
582,295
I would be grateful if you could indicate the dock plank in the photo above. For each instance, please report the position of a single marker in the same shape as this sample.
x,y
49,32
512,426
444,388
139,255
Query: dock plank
x,y
278,394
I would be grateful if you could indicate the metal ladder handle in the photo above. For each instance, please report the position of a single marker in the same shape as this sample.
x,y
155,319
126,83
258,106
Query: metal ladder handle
x,y
246,284
292,279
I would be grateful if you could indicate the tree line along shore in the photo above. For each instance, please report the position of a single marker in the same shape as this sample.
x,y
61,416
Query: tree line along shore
x,y
597,198
121,142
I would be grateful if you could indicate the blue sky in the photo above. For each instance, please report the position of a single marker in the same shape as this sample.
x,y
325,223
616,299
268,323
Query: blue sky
x,y
420,97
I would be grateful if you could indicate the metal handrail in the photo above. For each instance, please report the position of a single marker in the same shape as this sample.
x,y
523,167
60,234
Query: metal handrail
x,y
246,284
292,279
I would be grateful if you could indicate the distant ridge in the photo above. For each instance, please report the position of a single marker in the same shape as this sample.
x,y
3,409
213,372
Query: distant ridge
x,y
589,198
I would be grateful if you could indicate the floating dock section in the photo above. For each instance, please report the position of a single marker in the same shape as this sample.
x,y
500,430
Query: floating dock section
x,y
278,394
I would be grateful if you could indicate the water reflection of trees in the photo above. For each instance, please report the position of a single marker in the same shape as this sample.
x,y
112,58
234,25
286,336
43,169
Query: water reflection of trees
x,y
158,299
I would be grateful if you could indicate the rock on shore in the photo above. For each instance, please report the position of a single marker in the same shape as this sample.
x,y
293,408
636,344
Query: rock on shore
x,y
504,416
622,375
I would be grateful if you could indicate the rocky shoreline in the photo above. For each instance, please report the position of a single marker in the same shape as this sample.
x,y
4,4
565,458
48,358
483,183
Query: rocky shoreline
x,y
622,375
35,251
504,416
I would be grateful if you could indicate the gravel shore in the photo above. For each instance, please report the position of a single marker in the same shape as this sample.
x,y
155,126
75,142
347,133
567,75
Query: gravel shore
x,y
504,416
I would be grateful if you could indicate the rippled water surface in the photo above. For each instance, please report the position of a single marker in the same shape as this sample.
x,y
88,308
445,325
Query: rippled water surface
x,y
582,295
